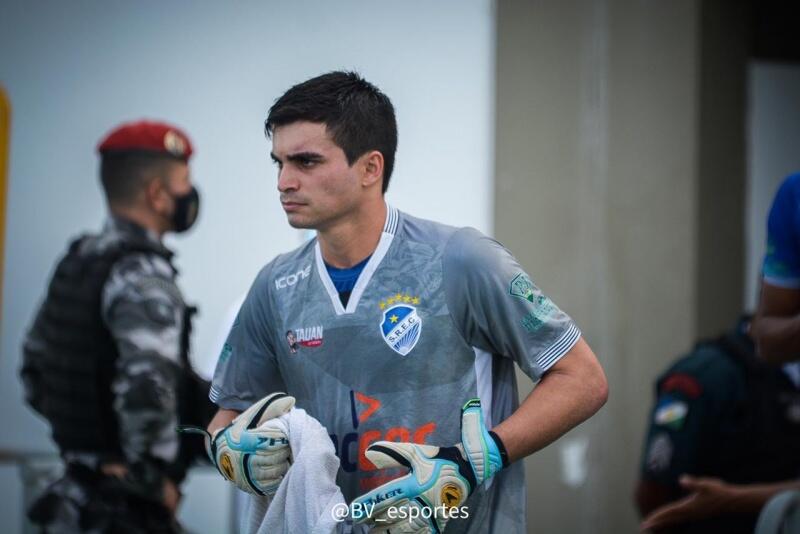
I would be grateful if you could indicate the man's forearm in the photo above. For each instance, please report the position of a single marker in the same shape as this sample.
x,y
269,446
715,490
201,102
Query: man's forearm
x,y
571,392
778,338
221,419
753,497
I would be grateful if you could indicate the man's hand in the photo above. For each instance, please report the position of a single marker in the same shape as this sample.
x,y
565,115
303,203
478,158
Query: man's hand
x,y
252,453
172,496
710,497
440,478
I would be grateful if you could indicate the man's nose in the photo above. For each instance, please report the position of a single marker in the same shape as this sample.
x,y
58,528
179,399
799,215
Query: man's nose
x,y
287,181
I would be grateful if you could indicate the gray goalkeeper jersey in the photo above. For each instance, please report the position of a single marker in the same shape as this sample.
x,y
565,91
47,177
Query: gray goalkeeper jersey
x,y
438,316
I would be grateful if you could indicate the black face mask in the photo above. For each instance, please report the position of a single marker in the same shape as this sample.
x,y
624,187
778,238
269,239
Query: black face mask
x,y
186,208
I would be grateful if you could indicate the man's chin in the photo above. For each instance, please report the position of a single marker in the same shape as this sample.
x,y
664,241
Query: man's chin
x,y
299,222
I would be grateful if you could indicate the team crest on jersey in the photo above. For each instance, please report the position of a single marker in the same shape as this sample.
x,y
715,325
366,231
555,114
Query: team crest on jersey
x,y
401,325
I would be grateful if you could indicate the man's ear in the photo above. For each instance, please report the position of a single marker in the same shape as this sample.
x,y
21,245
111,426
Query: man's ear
x,y
373,168
155,193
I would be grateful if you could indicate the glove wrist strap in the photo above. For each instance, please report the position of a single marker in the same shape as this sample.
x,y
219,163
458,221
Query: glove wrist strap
x,y
500,447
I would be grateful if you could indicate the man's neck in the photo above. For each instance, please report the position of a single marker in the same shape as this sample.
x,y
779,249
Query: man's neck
x,y
142,219
350,241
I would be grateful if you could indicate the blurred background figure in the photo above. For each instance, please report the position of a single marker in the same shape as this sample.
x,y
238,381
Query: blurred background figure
x,y
723,414
106,360
777,324
730,411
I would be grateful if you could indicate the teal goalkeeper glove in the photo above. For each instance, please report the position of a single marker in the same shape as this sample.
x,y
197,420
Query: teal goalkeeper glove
x,y
252,453
439,481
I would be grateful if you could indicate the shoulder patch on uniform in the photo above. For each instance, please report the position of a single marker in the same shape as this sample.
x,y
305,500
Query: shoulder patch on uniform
x,y
671,413
521,287
659,453
683,383
543,312
226,352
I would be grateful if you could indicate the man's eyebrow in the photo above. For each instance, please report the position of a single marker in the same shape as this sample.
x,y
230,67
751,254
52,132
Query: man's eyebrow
x,y
305,156
298,156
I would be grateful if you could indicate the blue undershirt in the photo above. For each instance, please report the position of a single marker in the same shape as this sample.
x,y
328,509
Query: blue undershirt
x,y
344,280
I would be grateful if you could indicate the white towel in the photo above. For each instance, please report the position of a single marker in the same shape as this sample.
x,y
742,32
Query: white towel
x,y
308,493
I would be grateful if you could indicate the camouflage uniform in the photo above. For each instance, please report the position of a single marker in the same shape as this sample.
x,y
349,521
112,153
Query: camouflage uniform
x,y
143,310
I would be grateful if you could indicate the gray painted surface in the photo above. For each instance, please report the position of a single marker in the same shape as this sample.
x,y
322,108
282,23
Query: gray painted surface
x,y
596,194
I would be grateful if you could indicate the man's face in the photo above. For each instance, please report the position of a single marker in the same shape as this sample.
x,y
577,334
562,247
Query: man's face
x,y
317,186
176,178
170,182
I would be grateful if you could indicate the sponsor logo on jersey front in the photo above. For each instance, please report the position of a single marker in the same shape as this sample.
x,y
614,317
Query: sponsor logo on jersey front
x,y
304,337
400,325
370,424
293,278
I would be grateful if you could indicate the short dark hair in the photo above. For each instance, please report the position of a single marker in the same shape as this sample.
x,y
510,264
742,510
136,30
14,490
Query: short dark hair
x,y
125,174
357,114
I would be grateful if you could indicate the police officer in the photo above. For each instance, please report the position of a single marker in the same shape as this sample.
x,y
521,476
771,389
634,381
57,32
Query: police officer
x,y
106,359
720,413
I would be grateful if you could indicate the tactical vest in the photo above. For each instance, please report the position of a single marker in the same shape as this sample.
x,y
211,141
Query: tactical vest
x,y
763,445
78,352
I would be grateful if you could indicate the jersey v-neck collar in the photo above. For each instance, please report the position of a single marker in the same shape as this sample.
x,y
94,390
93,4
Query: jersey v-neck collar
x,y
389,231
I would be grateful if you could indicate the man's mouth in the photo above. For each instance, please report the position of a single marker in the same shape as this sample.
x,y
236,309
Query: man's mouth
x,y
290,205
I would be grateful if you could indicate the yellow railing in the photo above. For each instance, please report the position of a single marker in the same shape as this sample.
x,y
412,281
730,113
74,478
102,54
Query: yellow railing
x,y
5,140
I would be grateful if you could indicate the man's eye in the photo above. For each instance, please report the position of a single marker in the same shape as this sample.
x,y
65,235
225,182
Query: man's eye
x,y
307,163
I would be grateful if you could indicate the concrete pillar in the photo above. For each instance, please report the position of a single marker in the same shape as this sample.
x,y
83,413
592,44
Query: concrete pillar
x,y
605,166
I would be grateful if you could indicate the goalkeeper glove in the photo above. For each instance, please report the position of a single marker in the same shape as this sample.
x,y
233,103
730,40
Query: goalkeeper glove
x,y
250,452
440,478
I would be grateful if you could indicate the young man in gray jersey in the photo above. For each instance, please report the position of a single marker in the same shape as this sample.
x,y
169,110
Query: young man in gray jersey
x,y
382,327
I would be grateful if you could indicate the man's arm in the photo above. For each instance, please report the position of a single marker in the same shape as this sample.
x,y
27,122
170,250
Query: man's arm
x,y
33,351
143,310
569,393
711,497
497,308
222,419
776,326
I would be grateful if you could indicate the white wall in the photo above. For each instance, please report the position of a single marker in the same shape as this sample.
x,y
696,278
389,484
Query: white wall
x,y
773,152
74,69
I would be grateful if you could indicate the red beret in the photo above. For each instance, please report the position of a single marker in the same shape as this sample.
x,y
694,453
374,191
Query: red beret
x,y
147,135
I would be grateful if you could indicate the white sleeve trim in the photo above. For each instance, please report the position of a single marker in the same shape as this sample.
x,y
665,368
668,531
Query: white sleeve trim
x,y
786,283
228,402
563,344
